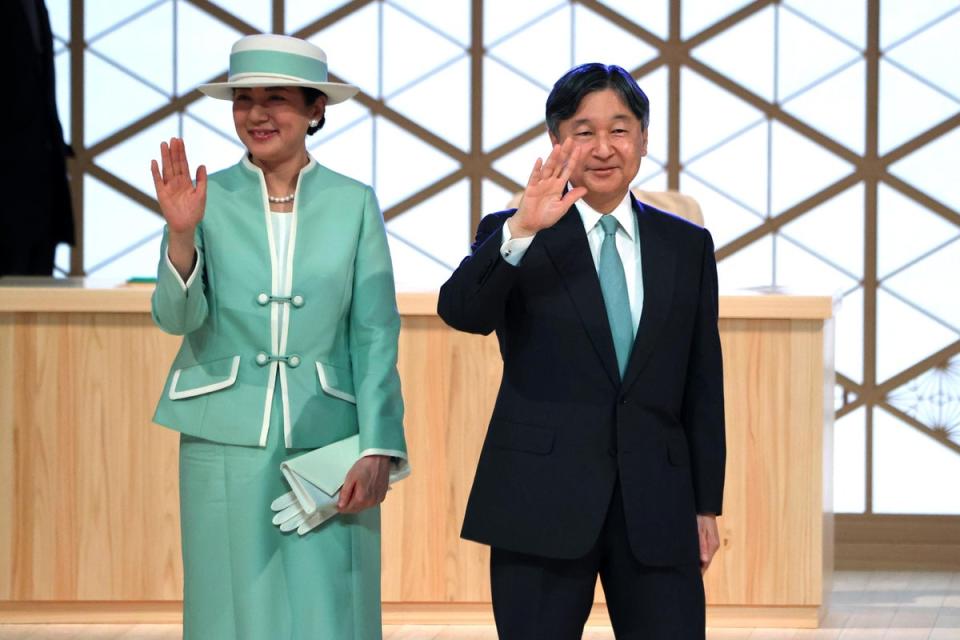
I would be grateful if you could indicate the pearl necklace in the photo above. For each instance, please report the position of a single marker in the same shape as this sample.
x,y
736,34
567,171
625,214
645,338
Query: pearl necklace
x,y
280,199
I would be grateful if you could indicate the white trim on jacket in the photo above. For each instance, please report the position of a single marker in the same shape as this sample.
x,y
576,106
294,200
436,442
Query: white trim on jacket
x,y
278,339
173,394
330,390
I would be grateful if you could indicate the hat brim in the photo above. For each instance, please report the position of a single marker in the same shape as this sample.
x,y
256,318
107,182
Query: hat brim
x,y
336,92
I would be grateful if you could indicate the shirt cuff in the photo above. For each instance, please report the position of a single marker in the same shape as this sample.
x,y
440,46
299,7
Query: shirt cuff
x,y
193,274
383,452
513,249
399,465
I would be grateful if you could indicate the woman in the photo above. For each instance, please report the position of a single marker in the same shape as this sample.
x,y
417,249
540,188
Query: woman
x,y
277,273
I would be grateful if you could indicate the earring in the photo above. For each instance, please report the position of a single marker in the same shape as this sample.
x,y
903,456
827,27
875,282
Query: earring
x,y
313,123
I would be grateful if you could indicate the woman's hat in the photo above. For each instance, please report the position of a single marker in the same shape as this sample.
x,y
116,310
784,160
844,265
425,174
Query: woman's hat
x,y
269,60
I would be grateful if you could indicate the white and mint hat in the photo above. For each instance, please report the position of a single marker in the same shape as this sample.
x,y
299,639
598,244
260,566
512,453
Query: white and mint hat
x,y
269,60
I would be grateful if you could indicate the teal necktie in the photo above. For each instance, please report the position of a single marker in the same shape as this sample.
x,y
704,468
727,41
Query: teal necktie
x,y
613,283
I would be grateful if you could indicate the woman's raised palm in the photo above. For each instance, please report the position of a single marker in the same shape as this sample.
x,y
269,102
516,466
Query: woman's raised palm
x,y
181,202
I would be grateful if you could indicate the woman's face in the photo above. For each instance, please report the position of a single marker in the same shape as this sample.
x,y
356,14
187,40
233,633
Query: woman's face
x,y
273,121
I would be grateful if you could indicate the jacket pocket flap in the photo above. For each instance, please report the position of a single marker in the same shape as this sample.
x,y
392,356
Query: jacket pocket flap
x,y
204,378
336,381
521,437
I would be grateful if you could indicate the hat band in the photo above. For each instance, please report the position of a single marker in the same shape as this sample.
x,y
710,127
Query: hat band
x,y
278,62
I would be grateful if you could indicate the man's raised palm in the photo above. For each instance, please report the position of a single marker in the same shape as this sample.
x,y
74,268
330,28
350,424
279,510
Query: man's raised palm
x,y
544,202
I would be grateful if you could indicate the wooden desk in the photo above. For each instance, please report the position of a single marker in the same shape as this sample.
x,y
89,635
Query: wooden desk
x,y
89,520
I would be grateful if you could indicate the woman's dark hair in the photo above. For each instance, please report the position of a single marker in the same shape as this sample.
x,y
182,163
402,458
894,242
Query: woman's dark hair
x,y
569,90
311,95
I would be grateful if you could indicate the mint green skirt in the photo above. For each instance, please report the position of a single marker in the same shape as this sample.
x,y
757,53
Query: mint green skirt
x,y
243,578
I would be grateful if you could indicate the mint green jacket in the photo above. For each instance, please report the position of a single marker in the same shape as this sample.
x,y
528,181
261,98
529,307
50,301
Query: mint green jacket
x,y
337,353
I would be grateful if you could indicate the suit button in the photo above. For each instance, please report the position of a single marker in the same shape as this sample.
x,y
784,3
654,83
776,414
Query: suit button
x,y
612,451
262,358
294,361
297,301
623,400
263,299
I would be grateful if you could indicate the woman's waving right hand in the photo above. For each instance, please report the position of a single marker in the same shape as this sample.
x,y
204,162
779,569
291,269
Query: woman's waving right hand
x,y
181,202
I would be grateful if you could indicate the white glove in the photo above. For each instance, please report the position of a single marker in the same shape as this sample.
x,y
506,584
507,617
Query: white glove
x,y
290,514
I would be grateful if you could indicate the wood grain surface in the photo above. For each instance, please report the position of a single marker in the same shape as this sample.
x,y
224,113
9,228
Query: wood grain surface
x,y
89,496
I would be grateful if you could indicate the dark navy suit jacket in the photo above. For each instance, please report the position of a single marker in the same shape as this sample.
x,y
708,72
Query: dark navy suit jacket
x,y
564,425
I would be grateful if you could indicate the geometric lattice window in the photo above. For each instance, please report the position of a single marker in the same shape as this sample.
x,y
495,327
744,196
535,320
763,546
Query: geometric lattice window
x,y
820,138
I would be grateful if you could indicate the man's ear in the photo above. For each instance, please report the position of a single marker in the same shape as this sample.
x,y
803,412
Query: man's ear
x,y
553,138
643,142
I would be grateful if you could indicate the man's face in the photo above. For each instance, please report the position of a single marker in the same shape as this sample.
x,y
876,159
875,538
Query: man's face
x,y
611,142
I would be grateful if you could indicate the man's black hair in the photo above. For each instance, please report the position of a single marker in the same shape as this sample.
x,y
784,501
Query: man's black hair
x,y
568,92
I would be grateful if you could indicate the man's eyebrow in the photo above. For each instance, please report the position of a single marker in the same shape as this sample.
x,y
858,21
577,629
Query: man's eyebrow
x,y
619,116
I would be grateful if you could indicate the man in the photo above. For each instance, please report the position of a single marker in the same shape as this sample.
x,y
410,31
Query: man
x,y
605,452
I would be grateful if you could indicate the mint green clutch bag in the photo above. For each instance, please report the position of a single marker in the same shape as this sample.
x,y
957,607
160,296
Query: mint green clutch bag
x,y
324,468
316,478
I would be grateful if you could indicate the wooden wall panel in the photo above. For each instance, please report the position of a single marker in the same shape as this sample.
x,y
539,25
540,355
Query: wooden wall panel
x,y
89,496
772,527
93,500
424,558
8,506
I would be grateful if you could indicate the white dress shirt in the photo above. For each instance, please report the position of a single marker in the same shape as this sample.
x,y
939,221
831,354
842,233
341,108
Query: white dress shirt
x,y
628,246
281,234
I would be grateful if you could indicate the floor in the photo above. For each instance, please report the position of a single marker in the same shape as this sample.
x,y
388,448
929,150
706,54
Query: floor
x,y
863,605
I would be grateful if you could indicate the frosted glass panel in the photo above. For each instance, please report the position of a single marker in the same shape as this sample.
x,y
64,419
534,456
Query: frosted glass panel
x,y
933,398
850,462
131,159
59,12
750,267
912,472
700,14
104,114
932,169
143,47
652,15
257,13
62,71
745,53
501,18
203,47
725,218
440,102
444,215
101,16
846,20
848,342
121,238
299,13
450,17
772,120
412,51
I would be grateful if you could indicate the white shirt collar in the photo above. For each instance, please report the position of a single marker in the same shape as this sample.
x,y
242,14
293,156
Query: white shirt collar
x,y
623,213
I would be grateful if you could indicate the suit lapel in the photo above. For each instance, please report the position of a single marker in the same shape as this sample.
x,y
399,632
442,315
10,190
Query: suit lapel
x,y
566,244
658,265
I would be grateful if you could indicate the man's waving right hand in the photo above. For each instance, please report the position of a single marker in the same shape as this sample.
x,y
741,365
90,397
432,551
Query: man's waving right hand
x,y
544,202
